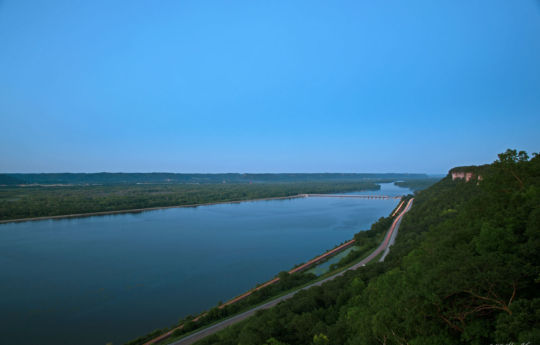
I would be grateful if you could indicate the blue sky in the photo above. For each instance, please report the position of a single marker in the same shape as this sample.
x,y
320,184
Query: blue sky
x,y
266,86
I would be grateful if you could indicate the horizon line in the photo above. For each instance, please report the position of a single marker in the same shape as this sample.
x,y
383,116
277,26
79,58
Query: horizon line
x,y
220,173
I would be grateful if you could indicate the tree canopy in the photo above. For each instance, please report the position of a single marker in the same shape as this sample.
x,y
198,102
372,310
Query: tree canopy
x,y
465,269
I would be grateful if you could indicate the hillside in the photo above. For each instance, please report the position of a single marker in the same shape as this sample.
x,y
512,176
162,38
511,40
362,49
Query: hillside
x,y
464,269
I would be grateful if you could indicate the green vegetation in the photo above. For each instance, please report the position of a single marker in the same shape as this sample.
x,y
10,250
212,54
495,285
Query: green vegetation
x,y
326,265
366,242
465,269
287,283
8,180
40,201
418,184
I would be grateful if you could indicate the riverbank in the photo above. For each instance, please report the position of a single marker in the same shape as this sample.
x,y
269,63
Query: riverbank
x,y
216,326
369,255
181,262
139,210
38,203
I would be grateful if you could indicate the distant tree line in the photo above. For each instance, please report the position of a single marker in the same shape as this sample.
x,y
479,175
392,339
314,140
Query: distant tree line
x,y
40,201
172,178
418,184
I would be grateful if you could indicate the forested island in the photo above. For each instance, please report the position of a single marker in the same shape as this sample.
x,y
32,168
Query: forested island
x,y
465,269
46,195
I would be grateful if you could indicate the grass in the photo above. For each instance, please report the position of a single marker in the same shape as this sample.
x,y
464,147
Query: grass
x,y
324,266
298,288
328,273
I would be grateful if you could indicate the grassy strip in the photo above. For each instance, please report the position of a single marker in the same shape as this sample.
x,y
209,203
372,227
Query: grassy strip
x,y
298,288
379,231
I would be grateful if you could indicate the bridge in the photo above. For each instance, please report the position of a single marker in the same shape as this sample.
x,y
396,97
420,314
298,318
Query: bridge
x,y
351,196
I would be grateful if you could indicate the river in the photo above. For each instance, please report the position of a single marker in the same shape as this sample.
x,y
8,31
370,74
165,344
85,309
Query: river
x,y
113,278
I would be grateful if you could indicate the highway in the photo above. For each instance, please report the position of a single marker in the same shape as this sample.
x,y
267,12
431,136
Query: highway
x,y
384,246
392,237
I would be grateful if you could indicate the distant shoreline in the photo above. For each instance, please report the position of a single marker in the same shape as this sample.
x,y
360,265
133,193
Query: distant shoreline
x,y
140,210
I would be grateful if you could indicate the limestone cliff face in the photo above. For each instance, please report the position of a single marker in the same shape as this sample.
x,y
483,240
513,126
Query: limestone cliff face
x,y
465,173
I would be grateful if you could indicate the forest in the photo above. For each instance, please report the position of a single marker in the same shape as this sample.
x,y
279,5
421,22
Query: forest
x,y
418,184
45,195
465,269
44,201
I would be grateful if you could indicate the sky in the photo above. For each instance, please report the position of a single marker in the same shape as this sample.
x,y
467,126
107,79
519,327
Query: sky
x,y
266,86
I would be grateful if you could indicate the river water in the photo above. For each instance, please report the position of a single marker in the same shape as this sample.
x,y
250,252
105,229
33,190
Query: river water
x,y
113,278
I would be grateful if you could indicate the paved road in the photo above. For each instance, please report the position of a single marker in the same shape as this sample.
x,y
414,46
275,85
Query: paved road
x,y
394,234
388,241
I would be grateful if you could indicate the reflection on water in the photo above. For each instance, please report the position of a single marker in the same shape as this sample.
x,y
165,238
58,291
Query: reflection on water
x,y
113,278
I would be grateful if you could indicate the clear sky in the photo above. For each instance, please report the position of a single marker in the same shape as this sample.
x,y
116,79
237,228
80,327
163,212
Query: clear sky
x,y
266,86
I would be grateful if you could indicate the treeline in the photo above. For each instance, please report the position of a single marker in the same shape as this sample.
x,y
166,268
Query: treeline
x,y
172,178
37,201
465,269
7,180
418,184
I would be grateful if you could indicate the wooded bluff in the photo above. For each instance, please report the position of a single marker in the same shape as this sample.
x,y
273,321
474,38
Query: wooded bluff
x,y
464,269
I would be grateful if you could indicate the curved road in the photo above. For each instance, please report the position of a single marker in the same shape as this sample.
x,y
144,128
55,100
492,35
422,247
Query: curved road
x,y
387,242
392,237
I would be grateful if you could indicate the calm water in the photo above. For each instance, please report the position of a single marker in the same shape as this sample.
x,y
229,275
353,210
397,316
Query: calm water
x,y
113,278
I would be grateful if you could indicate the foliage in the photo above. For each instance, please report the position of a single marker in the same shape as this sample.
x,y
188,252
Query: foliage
x,y
7,180
40,201
418,184
368,239
147,337
465,269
